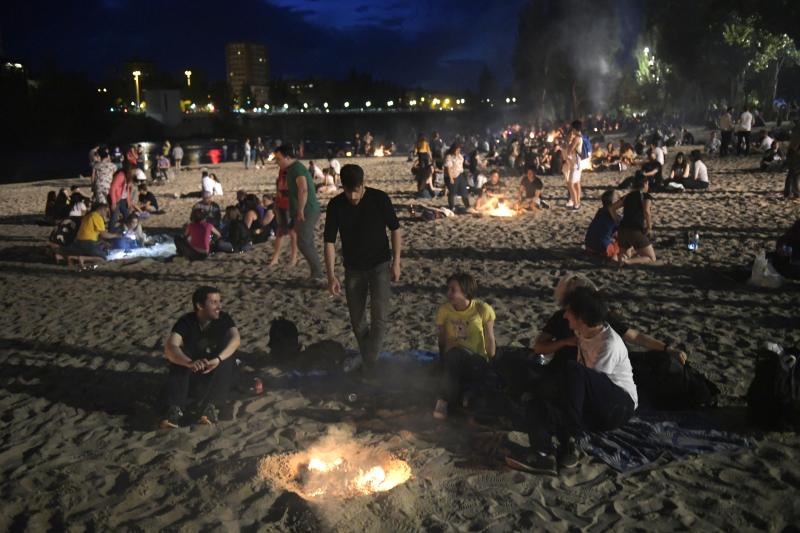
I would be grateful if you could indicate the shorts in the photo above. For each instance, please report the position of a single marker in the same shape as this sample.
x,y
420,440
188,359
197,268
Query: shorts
x,y
284,223
630,237
574,175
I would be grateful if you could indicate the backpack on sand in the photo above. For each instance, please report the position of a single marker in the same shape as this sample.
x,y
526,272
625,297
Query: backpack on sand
x,y
773,398
664,383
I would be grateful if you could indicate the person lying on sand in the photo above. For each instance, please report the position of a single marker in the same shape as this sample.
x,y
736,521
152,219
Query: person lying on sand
x,y
529,193
597,391
466,340
199,352
557,338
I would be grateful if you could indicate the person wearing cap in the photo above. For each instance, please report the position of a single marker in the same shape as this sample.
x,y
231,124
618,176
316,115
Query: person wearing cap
x,y
304,208
361,215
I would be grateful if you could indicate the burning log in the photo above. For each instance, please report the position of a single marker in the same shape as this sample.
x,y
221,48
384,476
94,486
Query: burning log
x,y
502,210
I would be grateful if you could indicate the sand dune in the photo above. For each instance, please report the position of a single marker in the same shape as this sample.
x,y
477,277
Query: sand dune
x,y
81,365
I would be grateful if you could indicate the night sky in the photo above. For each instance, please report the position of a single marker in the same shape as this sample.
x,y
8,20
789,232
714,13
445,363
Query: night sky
x,y
440,44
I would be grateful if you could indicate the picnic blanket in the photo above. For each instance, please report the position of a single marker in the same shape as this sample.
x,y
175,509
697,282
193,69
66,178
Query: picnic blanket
x,y
647,441
163,250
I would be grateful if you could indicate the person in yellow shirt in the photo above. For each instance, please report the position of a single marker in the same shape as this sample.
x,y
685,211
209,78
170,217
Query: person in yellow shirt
x,y
466,339
92,229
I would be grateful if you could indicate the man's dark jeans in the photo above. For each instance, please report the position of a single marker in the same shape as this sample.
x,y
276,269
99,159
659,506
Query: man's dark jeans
x,y
375,283
209,388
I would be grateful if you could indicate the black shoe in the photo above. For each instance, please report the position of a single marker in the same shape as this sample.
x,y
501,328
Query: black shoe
x,y
535,463
173,418
567,454
210,415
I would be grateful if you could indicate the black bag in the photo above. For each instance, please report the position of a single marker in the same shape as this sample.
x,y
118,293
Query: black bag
x,y
773,398
283,338
325,355
663,383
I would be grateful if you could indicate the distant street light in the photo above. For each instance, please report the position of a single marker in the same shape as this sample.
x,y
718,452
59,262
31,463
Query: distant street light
x,y
136,74
325,105
188,74
346,105
368,104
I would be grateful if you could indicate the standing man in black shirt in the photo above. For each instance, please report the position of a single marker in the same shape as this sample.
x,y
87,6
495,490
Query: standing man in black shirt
x,y
361,215
200,348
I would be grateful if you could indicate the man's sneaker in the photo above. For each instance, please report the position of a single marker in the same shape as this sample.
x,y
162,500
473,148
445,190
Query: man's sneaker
x,y
210,416
535,463
173,418
440,411
567,454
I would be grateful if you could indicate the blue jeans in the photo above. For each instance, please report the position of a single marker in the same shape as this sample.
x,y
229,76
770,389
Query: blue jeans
x,y
375,283
457,186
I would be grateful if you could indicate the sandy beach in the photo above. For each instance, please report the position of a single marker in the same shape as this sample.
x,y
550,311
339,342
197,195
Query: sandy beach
x,y
81,364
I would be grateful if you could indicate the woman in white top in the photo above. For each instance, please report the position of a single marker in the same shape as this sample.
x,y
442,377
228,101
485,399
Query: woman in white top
x,y
699,177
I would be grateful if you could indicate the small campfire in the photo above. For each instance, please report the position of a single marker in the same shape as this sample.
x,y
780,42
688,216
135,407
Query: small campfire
x,y
337,467
502,210
380,151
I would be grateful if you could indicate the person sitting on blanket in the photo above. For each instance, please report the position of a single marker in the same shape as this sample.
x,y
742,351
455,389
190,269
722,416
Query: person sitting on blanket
x,y
557,338
466,339
596,392
93,228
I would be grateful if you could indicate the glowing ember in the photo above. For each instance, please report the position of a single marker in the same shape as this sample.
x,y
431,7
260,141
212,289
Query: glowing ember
x,y
335,469
502,210
271,157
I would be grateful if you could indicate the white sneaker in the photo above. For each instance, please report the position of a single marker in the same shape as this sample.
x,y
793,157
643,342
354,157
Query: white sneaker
x,y
440,411
570,204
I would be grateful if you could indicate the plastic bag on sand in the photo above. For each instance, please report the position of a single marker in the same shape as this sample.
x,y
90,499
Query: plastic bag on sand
x,y
764,274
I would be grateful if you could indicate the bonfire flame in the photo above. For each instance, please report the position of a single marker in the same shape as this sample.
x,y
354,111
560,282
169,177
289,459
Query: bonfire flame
x,y
335,468
379,151
271,157
502,210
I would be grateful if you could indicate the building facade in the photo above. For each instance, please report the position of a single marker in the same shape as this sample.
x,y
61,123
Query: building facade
x,y
247,73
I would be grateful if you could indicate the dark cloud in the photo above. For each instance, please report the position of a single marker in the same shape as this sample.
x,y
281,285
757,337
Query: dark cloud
x,y
443,43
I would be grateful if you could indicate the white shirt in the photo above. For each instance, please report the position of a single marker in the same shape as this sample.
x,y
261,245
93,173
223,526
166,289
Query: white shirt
x,y
766,144
606,352
336,166
660,155
700,171
212,186
455,165
746,121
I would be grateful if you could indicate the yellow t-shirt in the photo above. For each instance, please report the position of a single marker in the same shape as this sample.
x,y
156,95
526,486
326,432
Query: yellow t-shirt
x,y
92,225
465,329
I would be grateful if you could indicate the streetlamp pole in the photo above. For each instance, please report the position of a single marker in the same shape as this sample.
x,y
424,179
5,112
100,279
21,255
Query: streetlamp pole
x,y
136,74
188,74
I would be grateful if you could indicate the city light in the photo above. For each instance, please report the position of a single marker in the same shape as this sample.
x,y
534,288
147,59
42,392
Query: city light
x,y
508,100
514,99
266,107
325,105
136,74
412,102
390,103
188,74
305,105
286,106
446,101
368,104
346,104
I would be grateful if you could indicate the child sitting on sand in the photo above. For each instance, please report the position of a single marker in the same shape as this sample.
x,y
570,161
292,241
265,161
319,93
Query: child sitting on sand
x,y
466,340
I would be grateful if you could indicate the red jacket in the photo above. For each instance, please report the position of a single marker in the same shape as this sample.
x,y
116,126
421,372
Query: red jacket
x,y
118,185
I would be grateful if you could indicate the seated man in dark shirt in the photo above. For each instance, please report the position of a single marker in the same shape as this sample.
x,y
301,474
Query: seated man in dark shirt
x,y
652,170
557,338
200,349
491,193
147,200
529,195
210,208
